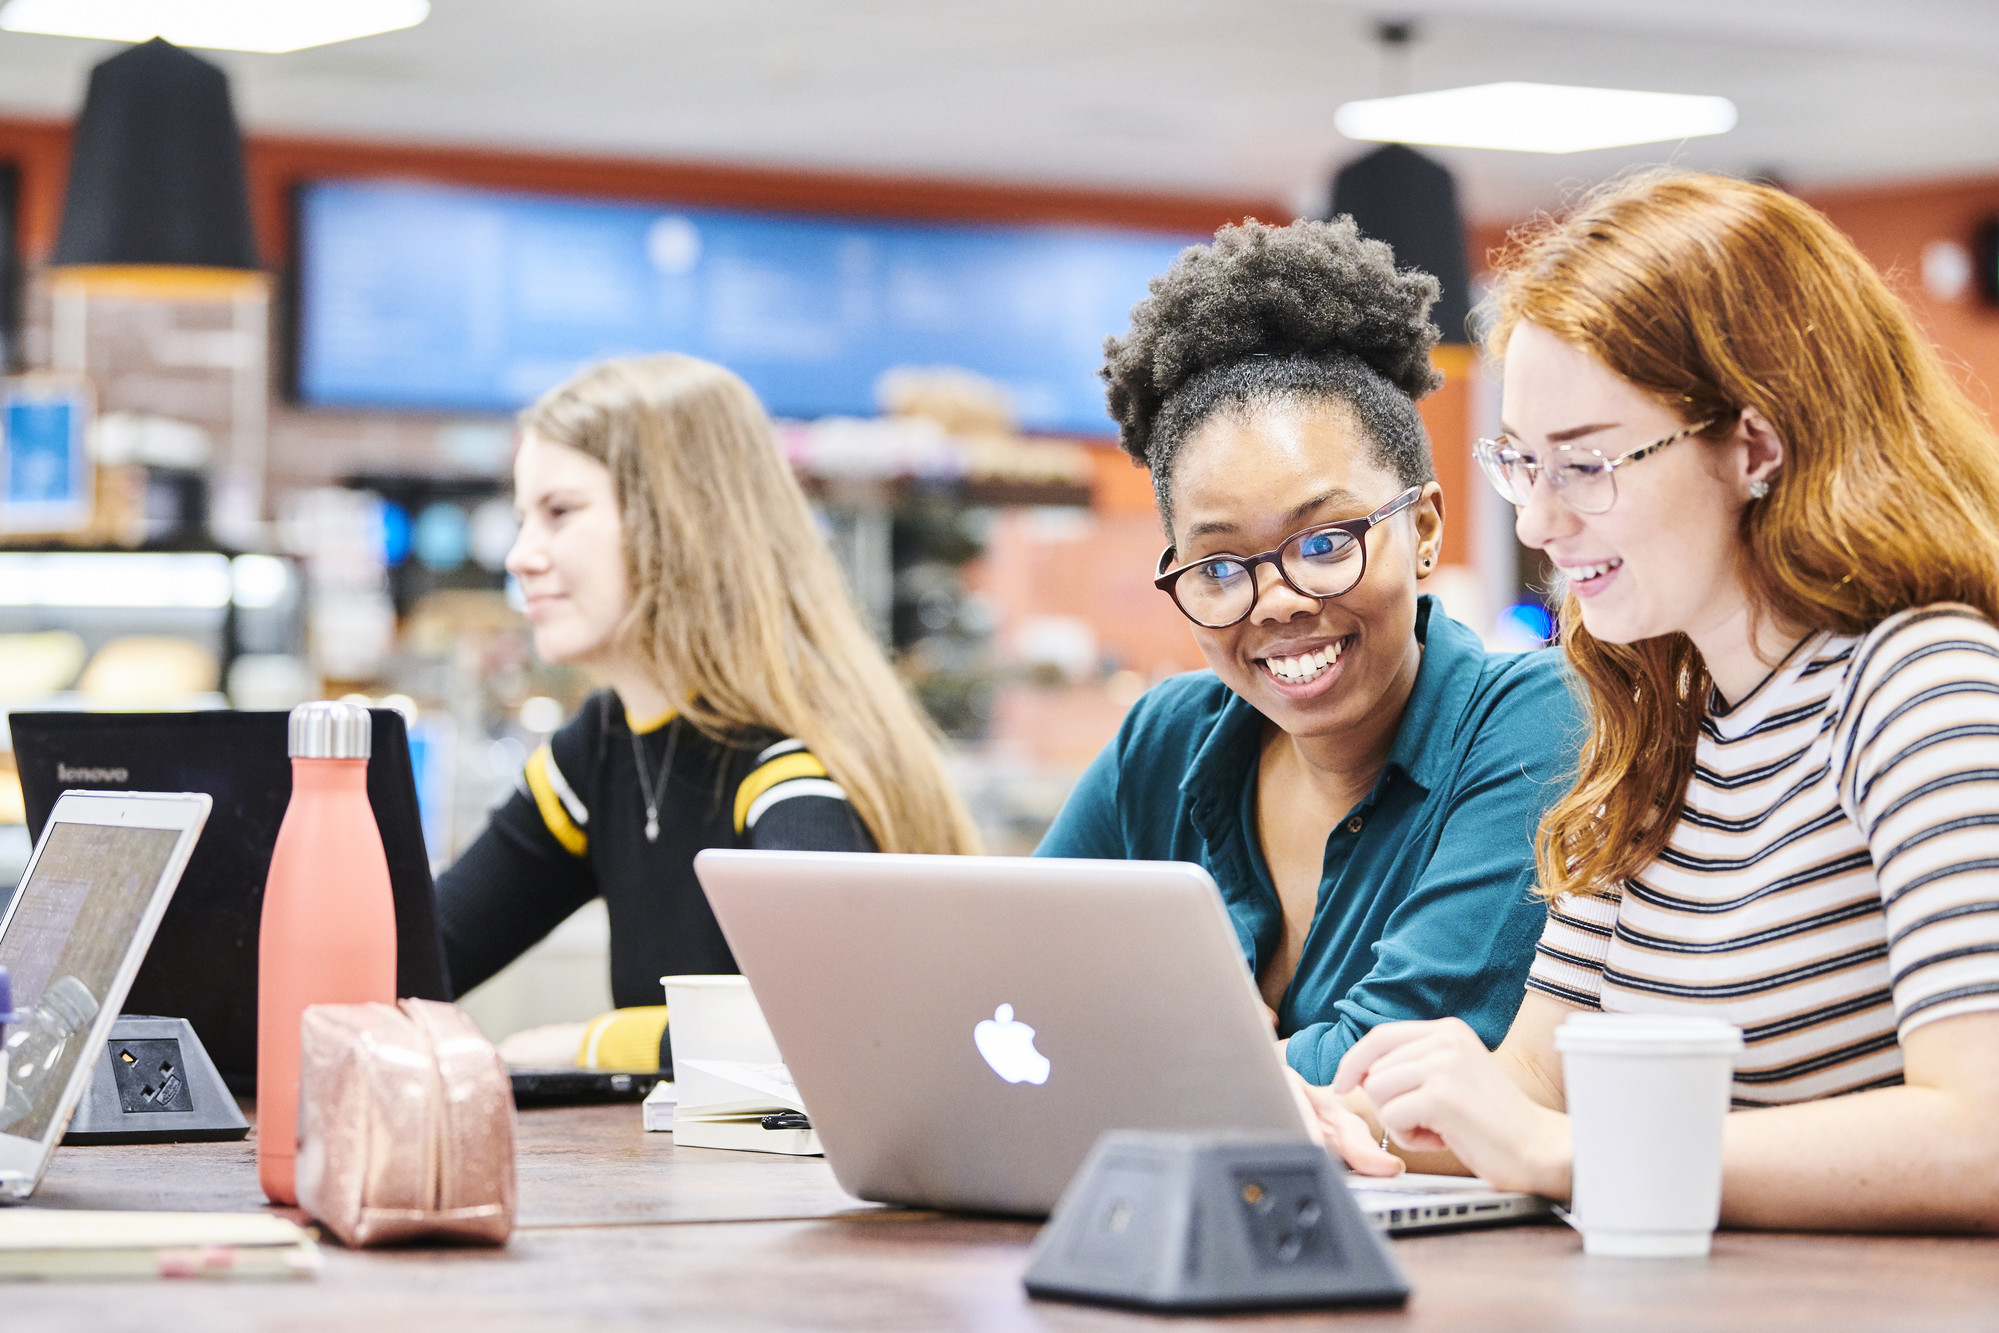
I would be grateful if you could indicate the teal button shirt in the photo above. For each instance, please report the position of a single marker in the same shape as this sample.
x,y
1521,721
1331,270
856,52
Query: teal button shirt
x,y
1425,909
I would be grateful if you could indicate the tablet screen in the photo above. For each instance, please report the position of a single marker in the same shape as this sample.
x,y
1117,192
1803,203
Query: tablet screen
x,y
73,921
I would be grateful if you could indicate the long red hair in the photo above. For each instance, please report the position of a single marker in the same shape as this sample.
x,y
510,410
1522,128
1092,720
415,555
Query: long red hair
x,y
1713,295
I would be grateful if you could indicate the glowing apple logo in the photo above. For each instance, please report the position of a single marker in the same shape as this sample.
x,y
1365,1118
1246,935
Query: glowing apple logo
x,y
1007,1045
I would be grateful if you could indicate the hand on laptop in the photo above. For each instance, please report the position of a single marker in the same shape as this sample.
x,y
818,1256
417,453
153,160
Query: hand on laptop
x,y
1344,1133
1436,1088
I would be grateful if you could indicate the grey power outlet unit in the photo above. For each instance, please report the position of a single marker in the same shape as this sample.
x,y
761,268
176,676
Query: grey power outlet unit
x,y
1212,1222
154,1083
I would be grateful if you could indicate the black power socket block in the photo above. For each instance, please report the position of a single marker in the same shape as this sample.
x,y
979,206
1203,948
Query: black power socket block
x,y
1213,1222
154,1083
149,1075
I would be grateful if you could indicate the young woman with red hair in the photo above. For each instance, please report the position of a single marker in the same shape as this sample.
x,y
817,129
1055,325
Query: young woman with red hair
x,y
1778,521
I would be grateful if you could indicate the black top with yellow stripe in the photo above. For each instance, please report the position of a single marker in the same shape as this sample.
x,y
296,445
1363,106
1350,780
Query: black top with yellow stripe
x,y
575,830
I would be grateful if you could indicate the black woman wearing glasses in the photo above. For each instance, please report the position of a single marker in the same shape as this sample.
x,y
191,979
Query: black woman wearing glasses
x,y
1360,776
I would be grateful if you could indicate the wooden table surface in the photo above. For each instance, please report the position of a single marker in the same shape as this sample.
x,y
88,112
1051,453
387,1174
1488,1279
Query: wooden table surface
x,y
619,1229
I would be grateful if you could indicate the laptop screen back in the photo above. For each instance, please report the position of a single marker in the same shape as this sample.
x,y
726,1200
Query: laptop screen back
x,y
202,965
66,938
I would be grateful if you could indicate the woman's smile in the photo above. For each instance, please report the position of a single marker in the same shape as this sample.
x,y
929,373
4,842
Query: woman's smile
x,y
1304,669
1589,580
541,602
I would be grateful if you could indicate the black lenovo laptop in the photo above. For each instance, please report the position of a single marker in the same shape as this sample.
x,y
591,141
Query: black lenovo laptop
x,y
202,965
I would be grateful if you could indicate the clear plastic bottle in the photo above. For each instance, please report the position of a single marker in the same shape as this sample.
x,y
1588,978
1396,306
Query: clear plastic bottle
x,y
35,1047
328,933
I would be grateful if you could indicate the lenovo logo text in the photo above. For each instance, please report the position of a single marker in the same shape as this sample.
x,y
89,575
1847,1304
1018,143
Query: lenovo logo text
x,y
64,773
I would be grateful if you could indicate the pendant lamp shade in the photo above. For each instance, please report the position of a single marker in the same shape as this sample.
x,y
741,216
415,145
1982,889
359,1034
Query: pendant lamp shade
x,y
1397,195
156,171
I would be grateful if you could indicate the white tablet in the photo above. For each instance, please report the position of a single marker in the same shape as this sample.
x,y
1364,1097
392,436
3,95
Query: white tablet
x,y
72,939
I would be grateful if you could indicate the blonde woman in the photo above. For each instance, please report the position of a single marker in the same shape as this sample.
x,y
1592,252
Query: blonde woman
x,y
1778,519
665,544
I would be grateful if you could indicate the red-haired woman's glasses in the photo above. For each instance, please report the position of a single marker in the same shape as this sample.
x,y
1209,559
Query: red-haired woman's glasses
x,y
1584,478
1326,560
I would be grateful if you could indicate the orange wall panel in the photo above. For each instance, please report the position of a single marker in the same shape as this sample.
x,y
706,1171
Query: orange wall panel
x,y
1891,225
1447,415
40,148
1118,485
1094,567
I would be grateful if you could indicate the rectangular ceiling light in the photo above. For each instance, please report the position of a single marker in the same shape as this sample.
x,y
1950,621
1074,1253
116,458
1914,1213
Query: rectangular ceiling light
x,y
226,25
1533,117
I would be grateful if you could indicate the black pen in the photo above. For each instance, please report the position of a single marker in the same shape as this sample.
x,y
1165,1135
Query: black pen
x,y
787,1120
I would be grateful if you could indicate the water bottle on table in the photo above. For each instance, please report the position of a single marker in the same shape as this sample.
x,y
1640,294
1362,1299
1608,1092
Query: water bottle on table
x,y
328,934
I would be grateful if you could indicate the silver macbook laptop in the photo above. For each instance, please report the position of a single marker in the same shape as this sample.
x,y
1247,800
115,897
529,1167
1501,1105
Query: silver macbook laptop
x,y
962,1028
71,941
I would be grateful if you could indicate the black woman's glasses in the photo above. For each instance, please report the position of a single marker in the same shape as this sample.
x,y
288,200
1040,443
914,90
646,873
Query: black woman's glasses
x,y
1325,560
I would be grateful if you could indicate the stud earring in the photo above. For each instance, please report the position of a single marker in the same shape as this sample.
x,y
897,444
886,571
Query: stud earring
x,y
1758,489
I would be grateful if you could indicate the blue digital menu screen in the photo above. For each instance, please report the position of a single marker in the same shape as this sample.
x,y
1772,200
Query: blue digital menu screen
x,y
426,297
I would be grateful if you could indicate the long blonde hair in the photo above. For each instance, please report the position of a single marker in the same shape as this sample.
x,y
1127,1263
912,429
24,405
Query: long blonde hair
x,y
1713,295
736,602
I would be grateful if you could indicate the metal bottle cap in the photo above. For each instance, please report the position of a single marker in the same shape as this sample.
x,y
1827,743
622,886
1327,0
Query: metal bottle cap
x,y
329,729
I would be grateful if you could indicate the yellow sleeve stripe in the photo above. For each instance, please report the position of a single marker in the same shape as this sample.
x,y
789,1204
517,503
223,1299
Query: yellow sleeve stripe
x,y
573,839
626,1040
797,764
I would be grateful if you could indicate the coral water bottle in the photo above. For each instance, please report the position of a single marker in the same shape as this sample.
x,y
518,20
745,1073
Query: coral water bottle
x,y
329,925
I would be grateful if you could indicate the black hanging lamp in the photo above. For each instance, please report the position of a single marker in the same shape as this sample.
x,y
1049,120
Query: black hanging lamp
x,y
156,168
1398,195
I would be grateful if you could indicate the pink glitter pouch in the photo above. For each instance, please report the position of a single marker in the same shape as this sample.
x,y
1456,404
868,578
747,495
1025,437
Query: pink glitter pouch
x,y
406,1125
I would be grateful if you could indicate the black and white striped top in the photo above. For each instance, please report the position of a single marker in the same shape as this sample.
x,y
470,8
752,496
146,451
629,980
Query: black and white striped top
x,y
1833,882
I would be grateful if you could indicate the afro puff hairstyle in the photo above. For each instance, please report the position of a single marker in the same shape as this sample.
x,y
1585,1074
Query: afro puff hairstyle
x,y
1266,315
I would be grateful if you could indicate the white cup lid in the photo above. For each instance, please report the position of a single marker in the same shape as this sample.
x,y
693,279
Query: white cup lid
x,y
703,981
1647,1034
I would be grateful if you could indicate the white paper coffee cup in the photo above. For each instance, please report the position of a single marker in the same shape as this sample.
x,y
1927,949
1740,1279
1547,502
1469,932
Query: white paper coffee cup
x,y
1647,1095
718,1018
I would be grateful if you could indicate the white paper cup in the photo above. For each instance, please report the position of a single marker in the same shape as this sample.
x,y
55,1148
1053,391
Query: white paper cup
x,y
1647,1096
717,1018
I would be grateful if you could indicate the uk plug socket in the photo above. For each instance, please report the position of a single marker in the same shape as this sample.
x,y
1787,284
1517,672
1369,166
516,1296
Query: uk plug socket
x,y
149,1075
1285,1217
